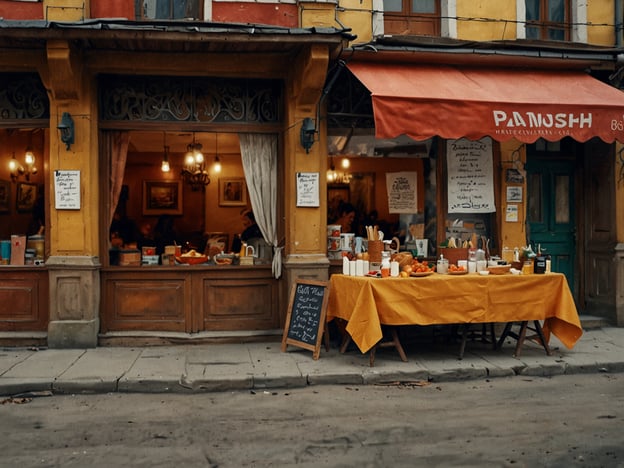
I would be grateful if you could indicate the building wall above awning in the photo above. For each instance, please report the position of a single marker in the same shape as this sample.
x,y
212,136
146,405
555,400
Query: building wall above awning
x,y
456,102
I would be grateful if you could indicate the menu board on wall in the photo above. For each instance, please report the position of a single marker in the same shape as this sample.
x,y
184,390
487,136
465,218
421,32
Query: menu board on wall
x,y
470,176
67,190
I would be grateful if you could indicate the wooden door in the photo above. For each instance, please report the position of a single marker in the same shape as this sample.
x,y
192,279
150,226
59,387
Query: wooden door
x,y
550,212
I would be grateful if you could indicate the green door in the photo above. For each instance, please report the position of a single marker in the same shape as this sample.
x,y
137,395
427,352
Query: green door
x,y
550,212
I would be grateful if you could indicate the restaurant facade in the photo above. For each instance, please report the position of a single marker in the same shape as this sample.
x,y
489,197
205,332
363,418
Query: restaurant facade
x,y
104,102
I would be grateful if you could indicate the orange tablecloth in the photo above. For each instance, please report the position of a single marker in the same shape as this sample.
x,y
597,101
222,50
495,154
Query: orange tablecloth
x,y
366,303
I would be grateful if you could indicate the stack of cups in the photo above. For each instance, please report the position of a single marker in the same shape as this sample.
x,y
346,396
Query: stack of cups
x,y
333,242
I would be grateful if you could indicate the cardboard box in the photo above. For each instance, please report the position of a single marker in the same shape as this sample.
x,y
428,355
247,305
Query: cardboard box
x,y
130,257
18,249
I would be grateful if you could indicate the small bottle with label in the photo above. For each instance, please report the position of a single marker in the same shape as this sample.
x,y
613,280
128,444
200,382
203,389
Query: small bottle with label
x,y
385,264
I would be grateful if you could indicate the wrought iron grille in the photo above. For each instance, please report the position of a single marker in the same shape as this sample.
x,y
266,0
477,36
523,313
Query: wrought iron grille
x,y
23,97
350,104
190,99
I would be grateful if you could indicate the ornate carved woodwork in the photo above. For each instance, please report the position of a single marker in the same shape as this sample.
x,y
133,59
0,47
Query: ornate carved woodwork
x,y
190,99
23,97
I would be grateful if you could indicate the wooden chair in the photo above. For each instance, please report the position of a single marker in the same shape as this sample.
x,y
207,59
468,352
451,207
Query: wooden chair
x,y
467,330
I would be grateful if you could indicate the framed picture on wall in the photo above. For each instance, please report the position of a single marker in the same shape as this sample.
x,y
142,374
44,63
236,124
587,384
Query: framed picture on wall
x,y
26,196
5,196
162,197
232,191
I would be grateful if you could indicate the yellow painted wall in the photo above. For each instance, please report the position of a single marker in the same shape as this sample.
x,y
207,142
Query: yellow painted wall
x,y
484,20
353,14
512,234
356,14
66,10
600,14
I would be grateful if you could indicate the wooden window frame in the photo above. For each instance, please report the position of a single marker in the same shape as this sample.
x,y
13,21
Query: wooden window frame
x,y
544,26
140,16
409,17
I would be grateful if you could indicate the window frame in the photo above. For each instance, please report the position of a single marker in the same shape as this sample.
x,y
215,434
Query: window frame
x,y
407,15
544,26
139,9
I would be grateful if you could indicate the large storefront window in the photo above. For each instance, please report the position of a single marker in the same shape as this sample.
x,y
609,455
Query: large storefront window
x,y
161,218
24,118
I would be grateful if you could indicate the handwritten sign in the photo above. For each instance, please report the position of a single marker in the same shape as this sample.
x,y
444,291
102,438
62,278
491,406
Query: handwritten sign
x,y
67,190
402,194
308,189
470,176
305,318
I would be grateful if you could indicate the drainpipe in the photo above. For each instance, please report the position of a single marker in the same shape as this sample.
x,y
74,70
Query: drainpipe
x,y
619,13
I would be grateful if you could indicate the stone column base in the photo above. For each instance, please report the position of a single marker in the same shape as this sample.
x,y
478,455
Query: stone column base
x,y
74,301
67,334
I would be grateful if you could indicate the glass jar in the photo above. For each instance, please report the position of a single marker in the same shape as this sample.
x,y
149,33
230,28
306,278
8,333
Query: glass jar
x,y
442,266
385,264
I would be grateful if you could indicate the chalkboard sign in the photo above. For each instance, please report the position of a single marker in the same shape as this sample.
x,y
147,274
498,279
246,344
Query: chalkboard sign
x,y
305,318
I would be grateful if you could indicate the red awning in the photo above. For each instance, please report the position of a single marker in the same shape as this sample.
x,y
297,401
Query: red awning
x,y
455,102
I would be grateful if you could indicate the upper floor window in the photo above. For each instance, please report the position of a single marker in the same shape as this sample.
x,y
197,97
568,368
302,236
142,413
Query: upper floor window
x,y
548,19
418,17
167,9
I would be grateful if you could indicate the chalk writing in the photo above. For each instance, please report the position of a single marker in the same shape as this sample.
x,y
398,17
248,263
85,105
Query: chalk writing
x,y
305,318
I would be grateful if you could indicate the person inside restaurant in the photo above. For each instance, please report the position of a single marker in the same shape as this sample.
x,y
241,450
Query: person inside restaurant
x,y
346,216
251,231
165,233
123,231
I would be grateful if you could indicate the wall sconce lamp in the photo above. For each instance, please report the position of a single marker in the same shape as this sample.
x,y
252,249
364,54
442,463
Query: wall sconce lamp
x,y
66,126
308,130
16,169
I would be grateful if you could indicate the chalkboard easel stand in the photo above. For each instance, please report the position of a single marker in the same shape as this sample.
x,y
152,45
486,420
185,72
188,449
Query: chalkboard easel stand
x,y
305,318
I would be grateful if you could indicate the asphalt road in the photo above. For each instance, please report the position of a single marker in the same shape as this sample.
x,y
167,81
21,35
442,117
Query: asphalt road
x,y
564,421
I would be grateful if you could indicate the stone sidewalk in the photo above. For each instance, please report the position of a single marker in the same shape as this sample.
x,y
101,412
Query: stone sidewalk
x,y
262,366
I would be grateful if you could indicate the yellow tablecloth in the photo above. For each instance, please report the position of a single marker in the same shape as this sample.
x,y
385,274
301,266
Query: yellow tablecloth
x,y
366,303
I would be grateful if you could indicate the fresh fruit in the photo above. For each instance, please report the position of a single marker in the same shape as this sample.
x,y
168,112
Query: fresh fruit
x,y
421,267
404,274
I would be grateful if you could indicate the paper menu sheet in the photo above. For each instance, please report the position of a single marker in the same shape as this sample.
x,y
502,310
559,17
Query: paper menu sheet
x,y
67,190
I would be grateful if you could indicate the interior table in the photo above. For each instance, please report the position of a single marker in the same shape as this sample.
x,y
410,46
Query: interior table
x,y
368,302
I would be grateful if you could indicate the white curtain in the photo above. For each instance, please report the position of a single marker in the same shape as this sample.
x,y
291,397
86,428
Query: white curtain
x,y
259,155
115,145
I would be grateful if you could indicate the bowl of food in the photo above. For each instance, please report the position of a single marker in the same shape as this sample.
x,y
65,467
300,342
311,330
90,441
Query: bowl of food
x,y
224,259
499,269
191,257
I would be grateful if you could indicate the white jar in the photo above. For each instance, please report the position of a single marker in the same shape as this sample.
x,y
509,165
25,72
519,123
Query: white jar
x,y
442,266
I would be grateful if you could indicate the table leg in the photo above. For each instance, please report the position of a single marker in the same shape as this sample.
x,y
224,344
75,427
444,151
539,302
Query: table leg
x,y
394,342
521,336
